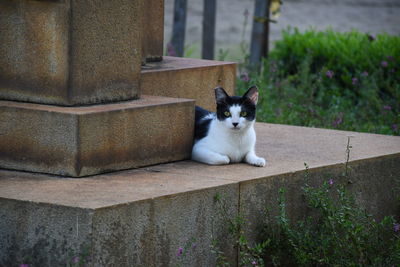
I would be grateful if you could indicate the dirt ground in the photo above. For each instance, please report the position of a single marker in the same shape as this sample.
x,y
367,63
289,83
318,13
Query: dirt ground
x,y
370,16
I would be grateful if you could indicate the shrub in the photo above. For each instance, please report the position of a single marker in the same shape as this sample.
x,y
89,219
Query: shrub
x,y
348,81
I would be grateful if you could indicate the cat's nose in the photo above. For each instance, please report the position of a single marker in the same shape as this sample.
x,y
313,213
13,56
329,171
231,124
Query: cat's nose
x,y
235,124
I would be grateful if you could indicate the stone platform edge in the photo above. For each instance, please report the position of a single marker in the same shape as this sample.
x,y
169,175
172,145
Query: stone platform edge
x,y
141,217
88,140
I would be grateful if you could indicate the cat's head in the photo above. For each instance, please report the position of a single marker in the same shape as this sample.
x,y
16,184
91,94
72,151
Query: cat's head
x,y
236,112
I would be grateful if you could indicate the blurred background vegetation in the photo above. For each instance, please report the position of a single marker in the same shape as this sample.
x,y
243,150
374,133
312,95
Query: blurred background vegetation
x,y
330,64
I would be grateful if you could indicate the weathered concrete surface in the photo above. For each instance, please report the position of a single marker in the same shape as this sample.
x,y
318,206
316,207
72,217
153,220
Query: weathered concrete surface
x,y
41,234
79,141
70,52
153,31
143,216
128,227
150,232
373,182
188,78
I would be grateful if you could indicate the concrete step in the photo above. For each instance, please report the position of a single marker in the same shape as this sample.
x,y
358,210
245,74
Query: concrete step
x,y
141,217
188,78
87,140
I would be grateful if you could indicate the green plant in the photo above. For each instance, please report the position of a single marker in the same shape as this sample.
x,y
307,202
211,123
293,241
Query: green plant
x,y
222,54
182,252
344,81
249,255
83,258
337,233
340,234
191,51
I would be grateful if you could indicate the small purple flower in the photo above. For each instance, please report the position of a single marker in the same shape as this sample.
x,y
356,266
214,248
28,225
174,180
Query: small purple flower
x,y
171,50
354,81
75,259
396,227
245,77
330,182
371,37
329,74
387,107
384,64
336,122
253,262
194,246
180,252
364,74
390,58
395,127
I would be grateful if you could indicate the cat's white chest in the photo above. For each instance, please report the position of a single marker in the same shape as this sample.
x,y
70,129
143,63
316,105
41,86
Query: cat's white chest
x,y
227,142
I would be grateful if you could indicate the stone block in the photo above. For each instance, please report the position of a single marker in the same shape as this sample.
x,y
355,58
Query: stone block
x,y
371,182
141,217
150,233
132,218
40,234
188,78
153,30
79,141
70,52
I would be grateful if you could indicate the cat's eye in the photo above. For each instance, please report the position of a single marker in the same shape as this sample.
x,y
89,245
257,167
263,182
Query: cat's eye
x,y
227,113
243,114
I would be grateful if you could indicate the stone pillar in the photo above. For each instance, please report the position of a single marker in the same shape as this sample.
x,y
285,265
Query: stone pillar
x,y
70,52
153,30
66,66
57,58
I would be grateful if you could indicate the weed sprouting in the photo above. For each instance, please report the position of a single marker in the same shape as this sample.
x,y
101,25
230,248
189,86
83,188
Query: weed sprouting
x,y
337,233
249,255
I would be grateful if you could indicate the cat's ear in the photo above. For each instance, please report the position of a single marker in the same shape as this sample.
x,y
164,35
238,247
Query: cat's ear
x,y
252,94
220,95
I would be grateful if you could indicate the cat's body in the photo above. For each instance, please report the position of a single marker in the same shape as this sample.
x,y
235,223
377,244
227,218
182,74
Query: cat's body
x,y
228,135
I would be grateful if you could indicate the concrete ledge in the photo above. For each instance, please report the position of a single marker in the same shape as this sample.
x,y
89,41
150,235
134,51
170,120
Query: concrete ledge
x,y
80,141
141,217
188,78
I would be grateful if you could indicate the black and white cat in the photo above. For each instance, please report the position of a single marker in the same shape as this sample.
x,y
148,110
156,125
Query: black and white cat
x,y
227,135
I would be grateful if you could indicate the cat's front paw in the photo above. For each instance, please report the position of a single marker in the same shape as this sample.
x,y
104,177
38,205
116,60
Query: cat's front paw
x,y
256,161
220,160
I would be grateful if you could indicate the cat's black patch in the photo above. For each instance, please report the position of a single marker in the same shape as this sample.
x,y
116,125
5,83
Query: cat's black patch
x,y
202,124
203,117
244,102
